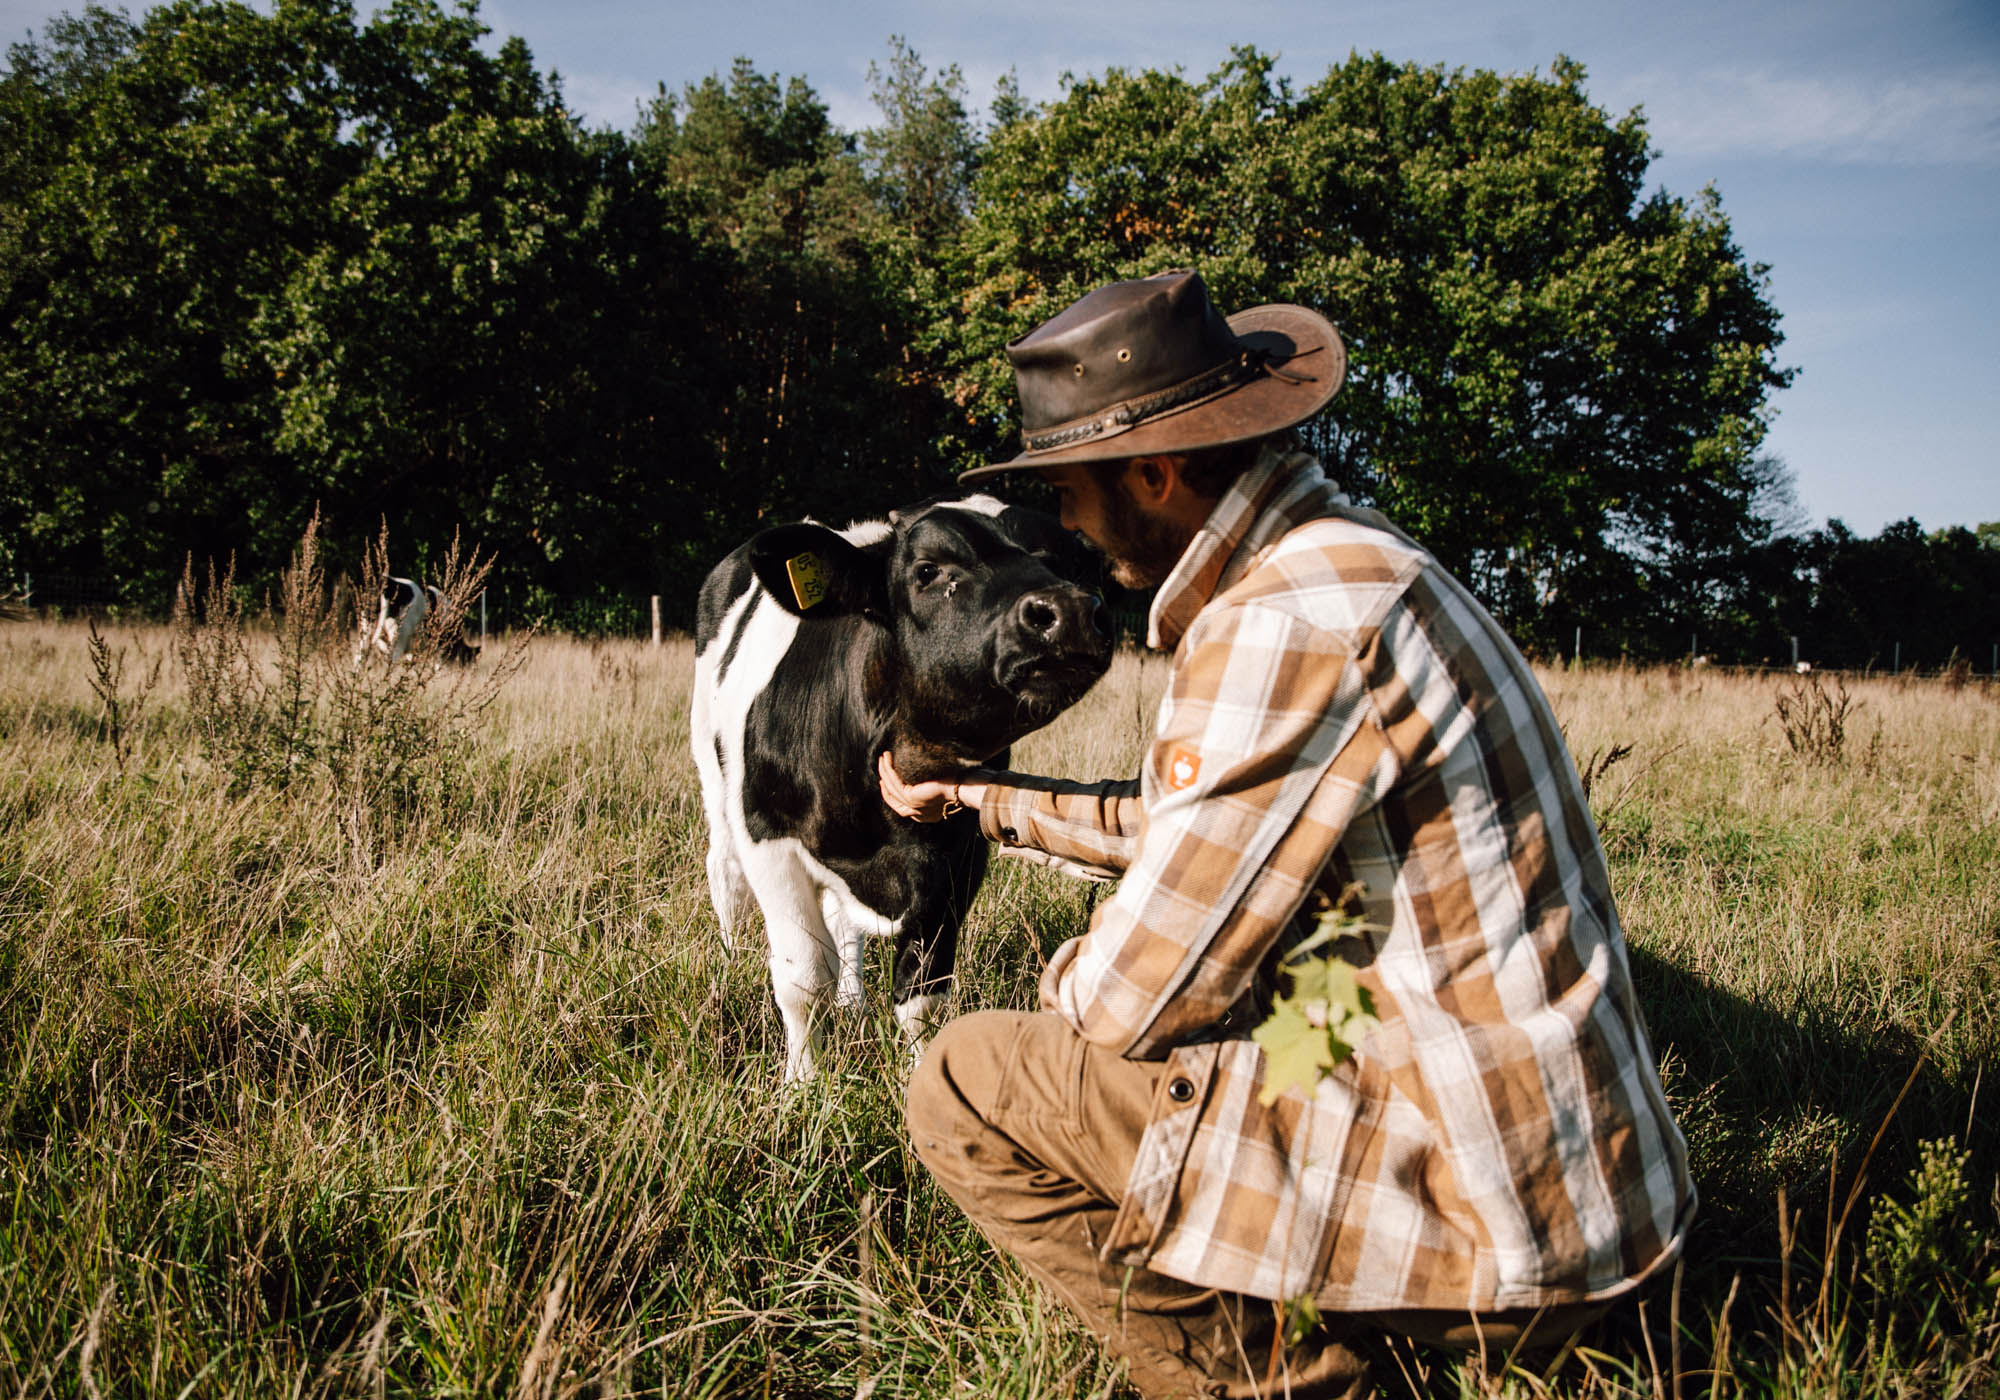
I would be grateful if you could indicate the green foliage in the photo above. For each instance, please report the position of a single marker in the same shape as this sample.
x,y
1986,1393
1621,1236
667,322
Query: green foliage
x,y
821,404
256,263
284,259
1916,1244
1556,383
761,163
1318,1024
133,379
1935,594
922,157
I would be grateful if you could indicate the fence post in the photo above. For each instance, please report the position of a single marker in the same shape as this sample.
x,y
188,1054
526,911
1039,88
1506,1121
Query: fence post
x,y
656,619
1576,657
1795,653
1896,666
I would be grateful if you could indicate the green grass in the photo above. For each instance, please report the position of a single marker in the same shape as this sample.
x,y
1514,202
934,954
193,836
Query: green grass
x,y
461,1094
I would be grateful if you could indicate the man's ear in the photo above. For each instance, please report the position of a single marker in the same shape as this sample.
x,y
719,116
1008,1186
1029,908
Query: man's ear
x,y
1160,486
814,572
1149,480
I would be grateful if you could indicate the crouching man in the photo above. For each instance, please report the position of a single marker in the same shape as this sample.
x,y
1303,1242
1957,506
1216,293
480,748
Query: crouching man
x,y
1497,1163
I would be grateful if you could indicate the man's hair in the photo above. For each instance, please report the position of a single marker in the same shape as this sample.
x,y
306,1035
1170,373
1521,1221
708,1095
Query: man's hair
x,y
1210,471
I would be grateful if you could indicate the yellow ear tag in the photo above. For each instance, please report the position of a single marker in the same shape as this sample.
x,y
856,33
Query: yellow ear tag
x,y
808,579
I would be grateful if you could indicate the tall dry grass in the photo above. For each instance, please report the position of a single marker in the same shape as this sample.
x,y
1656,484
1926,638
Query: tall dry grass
x,y
474,1102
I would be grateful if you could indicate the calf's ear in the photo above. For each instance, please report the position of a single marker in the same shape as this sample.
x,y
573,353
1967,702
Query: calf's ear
x,y
814,572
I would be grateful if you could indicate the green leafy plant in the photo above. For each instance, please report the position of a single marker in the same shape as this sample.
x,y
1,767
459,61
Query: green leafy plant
x,y
1923,1253
1327,1013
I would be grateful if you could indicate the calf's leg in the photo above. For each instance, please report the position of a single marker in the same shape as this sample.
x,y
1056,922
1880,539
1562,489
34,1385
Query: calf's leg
x,y
727,889
802,952
925,957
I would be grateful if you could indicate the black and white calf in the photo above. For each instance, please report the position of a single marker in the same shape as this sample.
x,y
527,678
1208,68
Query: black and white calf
x,y
400,614
402,608
942,634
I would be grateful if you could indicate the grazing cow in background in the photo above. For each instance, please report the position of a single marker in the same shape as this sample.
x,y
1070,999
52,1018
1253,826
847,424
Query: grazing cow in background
x,y
942,635
403,608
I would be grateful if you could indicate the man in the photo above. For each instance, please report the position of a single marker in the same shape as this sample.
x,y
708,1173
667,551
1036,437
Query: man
x,y
1343,722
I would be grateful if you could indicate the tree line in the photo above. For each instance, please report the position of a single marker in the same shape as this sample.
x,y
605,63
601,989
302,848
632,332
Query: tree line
x,y
254,265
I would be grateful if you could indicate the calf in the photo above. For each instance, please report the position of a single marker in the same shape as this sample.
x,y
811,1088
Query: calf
x,y
942,635
403,608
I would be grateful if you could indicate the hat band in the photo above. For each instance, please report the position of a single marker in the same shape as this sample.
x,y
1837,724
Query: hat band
x,y
1210,382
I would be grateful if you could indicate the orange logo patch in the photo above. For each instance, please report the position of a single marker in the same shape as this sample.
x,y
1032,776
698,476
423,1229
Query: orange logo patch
x,y
1183,767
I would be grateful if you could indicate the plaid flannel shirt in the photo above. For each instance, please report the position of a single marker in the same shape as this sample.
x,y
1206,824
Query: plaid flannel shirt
x,y
1342,712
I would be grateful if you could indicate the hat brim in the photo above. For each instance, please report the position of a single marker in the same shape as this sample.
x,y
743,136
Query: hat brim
x,y
1309,361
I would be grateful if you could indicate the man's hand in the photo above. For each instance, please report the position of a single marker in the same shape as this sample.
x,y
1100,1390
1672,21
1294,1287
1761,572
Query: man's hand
x,y
927,801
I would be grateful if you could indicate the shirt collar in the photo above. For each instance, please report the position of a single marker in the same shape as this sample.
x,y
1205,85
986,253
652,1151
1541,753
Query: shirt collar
x,y
1230,540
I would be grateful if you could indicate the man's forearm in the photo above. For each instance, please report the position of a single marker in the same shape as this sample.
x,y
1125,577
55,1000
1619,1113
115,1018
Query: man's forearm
x,y
1094,825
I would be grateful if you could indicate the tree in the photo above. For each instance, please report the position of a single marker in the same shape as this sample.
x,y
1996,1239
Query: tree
x,y
187,160
456,350
1556,382
1904,596
250,262
923,155
1008,105
42,97
804,326
279,260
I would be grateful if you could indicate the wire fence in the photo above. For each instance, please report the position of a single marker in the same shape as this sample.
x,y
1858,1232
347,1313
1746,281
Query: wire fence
x,y
70,595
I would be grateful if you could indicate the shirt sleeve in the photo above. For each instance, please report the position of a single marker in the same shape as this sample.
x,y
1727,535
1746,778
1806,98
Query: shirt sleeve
x,y
1263,709
1088,829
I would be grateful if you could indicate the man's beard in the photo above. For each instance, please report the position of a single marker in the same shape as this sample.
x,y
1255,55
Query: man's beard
x,y
1142,549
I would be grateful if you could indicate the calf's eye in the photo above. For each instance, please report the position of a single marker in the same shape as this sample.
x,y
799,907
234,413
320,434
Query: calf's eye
x,y
925,574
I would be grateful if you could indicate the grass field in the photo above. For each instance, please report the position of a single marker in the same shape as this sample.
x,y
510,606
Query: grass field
x,y
373,1036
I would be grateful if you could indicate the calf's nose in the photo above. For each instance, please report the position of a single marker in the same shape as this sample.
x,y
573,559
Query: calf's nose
x,y
1059,615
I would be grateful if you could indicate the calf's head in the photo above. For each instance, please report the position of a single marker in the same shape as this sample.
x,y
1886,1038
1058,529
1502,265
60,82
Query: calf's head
x,y
981,619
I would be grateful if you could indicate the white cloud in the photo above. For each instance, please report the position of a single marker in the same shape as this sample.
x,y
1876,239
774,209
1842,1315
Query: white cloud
x,y
1934,119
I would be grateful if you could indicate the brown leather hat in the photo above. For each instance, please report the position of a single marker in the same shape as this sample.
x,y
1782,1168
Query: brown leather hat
x,y
1149,366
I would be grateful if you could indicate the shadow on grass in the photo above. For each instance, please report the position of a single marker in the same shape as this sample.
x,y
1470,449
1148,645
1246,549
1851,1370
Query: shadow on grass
x,y
1792,1096
1778,1099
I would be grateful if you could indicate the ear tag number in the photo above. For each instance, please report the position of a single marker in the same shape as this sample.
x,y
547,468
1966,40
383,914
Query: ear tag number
x,y
808,579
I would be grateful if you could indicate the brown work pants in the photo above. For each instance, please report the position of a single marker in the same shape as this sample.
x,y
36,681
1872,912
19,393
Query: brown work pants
x,y
1033,1130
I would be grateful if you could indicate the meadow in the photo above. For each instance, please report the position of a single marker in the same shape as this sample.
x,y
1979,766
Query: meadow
x,y
370,1034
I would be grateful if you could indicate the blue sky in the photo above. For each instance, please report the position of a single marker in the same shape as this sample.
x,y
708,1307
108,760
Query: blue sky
x,y
1856,147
